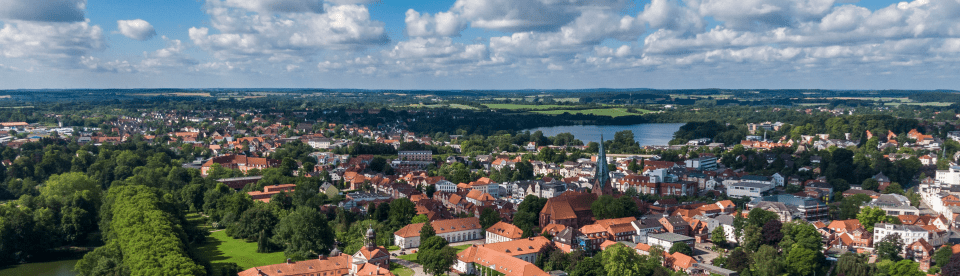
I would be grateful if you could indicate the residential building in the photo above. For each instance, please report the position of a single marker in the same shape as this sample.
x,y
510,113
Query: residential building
x,y
702,163
453,230
908,233
415,155
503,232
748,189
666,240
790,207
506,258
370,260
240,162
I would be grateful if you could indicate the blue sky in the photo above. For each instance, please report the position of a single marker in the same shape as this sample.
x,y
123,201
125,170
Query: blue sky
x,y
480,44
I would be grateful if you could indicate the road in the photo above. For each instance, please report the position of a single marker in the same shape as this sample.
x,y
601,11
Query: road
x,y
702,250
417,269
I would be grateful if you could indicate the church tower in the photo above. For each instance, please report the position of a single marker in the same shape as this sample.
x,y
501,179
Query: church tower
x,y
601,184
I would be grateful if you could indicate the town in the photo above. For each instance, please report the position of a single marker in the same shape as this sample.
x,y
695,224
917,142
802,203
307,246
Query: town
x,y
313,192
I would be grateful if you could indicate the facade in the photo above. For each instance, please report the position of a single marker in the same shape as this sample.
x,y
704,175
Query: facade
x,y
453,230
908,233
415,155
503,232
666,240
805,208
370,260
513,258
240,162
571,209
446,186
702,163
748,189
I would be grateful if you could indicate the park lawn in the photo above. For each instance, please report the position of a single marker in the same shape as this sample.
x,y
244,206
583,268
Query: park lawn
x,y
612,112
461,248
393,248
221,249
409,257
523,106
400,270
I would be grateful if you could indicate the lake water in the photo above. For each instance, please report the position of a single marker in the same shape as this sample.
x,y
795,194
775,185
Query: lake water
x,y
55,268
645,134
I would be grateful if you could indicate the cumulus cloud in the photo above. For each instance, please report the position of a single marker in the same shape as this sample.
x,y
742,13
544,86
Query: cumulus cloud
x,y
137,29
287,36
762,14
527,15
60,44
440,24
47,10
277,6
593,27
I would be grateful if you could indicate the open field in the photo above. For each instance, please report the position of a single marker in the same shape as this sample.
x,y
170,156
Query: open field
x,y
179,94
460,106
612,112
920,104
221,249
524,106
400,270
567,100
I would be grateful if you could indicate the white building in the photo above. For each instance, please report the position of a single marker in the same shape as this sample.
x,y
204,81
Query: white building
x,y
320,143
446,186
667,239
503,232
702,163
453,230
748,189
908,233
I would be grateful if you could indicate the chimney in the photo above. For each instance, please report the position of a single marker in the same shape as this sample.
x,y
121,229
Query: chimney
x,y
289,261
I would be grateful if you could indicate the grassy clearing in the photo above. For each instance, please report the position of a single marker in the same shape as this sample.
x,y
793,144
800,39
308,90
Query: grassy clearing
x,y
221,249
461,248
612,112
400,270
524,106
409,257
920,104
460,106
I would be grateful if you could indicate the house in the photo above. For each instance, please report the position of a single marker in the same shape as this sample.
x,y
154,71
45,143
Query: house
x,y
503,232
666,240
446,186
513,258
370,260
704,163
453,230
269,191
893,205
571,209
908,233
748,189
675,224
241,162
790,207
645,227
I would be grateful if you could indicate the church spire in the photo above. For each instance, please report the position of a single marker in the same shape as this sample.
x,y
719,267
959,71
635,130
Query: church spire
x,y
602,174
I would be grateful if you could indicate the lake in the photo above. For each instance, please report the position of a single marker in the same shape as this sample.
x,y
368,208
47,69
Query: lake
x,y
54,268
645,134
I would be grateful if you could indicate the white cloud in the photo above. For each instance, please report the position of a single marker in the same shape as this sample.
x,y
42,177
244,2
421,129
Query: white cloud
x,y
591,28
527,15
287,36
57,44
137,29
43,10
762,14
277,6
440,24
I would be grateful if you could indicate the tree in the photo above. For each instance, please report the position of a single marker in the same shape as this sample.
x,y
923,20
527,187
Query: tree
x,y
589,266
304,233
870,216
870,184
893,188
619,260
436,256
719,236
850,206
681,247
419,219
752,238
255,224
852,264
802,261
772,232
942,256
889,247
426,232
402,211
758,217
952,267
905,268
488,217
738,260
766,262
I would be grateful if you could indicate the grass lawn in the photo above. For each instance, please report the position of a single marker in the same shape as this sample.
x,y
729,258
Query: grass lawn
x,y
612,112
409,257
201,223
400,270
461,248
393,248
221,249
523,106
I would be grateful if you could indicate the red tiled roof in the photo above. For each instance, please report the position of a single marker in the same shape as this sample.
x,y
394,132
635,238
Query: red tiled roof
x,y
440,226
507,230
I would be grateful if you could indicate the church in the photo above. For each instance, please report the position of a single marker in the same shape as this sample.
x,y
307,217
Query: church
x,y
370,260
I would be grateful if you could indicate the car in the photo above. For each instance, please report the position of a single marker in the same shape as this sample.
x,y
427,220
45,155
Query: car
x,y
394,254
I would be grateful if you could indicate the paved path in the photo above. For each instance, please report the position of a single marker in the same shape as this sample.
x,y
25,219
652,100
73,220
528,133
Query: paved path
x,y
702,250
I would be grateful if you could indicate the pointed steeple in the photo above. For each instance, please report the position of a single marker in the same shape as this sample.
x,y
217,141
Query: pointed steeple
x,y
602,174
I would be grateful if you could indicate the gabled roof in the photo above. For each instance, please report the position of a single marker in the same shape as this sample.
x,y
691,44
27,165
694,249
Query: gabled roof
x,y
440,226
507,230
